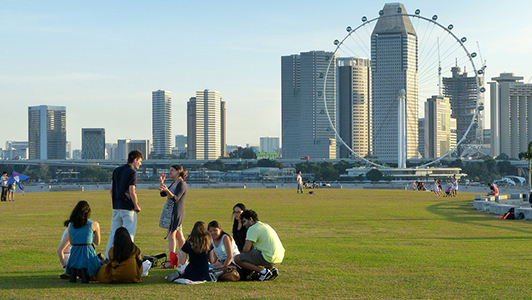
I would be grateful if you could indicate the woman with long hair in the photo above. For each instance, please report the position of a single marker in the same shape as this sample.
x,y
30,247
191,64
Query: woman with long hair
x,y
224,247
83,233
175,194
239,231
197,246
125,261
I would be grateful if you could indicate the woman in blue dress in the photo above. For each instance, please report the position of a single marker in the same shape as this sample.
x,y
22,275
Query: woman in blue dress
x,y
83,233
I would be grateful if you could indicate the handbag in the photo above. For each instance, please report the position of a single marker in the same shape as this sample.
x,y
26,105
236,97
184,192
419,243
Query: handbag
x,y
229,273
166,214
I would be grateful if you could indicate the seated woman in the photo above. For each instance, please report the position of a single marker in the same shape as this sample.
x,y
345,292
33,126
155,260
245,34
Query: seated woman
x,y
63,251
82,233
239,231
223,245
125,262
197,247
494,190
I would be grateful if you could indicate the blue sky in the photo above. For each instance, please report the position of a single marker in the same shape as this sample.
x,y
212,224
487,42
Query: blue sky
x,y
102,59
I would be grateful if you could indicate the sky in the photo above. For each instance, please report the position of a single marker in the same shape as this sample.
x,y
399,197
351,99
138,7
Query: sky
x,y
103,59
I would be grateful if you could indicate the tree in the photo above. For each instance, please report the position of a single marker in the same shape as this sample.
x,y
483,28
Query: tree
x,y
528,157
95,174
374,175
503,156
217,165
268,163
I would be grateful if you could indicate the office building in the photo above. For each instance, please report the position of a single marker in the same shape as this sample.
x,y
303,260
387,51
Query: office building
x,y
47,132
206,126
162,123
124,146
394,61
462,93
438,139
16,150
354,106
421,137
306,130
269,144
93,143
511,115
181,142
111,151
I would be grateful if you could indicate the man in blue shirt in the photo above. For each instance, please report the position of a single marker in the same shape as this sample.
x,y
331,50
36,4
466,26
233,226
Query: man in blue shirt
x,y
124,196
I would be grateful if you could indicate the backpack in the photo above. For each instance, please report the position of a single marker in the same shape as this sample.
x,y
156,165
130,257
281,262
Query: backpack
x,y
520,216
510,215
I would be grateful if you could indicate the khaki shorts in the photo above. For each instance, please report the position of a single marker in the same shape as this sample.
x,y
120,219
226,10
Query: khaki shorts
x,y
255,257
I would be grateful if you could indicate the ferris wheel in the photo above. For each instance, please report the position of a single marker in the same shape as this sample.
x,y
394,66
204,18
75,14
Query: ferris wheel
x,y
440,63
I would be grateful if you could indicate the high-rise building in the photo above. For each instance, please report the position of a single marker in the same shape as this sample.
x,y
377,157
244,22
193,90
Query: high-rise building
x,y
354,105
111,151
16,150
421,137
93,143
47,132
511,115
206,126
306,130
125,146
437,127
462,93
181,142
394,67
269,144
162,123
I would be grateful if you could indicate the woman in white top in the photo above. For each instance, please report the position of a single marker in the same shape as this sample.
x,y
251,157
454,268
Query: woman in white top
x,y
224,246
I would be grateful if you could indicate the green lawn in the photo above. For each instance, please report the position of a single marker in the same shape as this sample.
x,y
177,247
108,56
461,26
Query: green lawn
x,y
340,244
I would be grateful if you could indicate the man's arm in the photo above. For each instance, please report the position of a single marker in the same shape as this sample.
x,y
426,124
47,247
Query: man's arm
x,y
247,246
133,195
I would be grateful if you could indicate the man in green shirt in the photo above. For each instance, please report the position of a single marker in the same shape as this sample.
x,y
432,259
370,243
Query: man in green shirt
x,y
267,247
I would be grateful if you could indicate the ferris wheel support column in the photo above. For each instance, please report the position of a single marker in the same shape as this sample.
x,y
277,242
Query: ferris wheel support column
x,y
401,130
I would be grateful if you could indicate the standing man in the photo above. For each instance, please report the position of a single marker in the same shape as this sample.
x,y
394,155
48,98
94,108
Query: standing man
x,y
267,247
454,187
124,196
299,182
3,181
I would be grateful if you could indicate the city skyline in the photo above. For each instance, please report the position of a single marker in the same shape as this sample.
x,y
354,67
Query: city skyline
x,y
103,61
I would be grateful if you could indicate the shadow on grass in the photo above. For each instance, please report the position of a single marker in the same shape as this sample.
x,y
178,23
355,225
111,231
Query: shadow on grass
x,y
463,212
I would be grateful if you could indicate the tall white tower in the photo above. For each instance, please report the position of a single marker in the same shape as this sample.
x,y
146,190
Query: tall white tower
x,y
162,123
394,66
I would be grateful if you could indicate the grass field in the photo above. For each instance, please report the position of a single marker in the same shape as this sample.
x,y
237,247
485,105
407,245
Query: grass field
x,y
340,244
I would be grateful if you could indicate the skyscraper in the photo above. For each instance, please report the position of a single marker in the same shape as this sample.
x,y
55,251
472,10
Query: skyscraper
x,y
47,132
462,93
437,127
394,66
511,115
93,143
306,130
206,126
354,105
162,123
269,144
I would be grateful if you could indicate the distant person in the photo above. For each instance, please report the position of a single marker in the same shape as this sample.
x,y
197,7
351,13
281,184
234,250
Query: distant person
x,y
83,232
124,197
263,248
3,182
494,190
63,251
239,230
414,185
436,189
308,185
175,194
11,191
454,187
315,185
125,261
299,183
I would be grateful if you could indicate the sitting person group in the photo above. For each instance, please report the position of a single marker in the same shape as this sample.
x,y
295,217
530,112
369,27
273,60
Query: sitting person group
x,y
251,254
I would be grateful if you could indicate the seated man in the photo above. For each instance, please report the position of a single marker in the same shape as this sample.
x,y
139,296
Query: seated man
x,y
494,190
267,248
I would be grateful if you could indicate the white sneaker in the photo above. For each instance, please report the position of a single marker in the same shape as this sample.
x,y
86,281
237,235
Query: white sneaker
x,y
181,268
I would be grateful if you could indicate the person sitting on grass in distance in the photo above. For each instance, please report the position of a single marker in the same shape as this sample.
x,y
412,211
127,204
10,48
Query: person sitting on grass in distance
x,y
267,248
63,251
223,245
239,231
197,247
125,261
83,232
494,190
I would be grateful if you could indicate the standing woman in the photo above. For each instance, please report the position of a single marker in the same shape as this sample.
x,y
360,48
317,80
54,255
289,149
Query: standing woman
x,y
176,193
83,232
239,231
